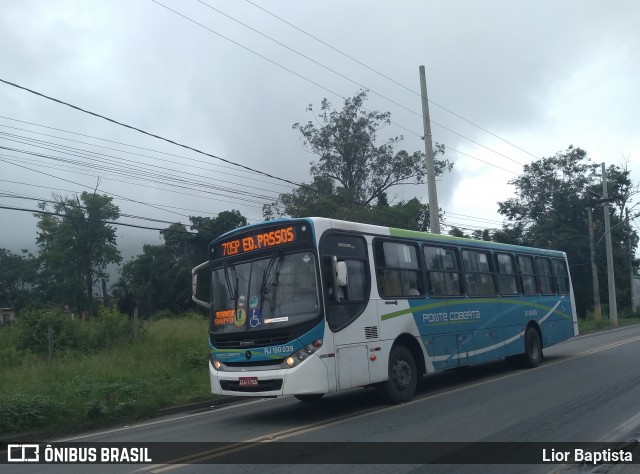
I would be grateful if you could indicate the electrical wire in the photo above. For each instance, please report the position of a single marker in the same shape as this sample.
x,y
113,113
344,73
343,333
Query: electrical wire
x,y
98,160
388,78
39,211
216,199
196,211
146,133
323,87
190,159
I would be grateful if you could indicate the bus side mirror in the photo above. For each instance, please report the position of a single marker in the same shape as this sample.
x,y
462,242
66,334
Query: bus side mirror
x,y
339,278
341,274
194,285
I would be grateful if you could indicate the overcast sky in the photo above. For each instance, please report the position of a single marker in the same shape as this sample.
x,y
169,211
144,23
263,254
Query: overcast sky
x,y
537,74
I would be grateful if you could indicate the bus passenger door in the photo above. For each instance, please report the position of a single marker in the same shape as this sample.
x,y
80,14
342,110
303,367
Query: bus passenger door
x,y
352,349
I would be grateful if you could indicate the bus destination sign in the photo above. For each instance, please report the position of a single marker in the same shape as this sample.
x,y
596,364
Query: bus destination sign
x,y
257,241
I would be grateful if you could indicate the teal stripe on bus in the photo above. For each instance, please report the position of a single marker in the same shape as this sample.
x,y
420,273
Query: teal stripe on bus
x,y
470,301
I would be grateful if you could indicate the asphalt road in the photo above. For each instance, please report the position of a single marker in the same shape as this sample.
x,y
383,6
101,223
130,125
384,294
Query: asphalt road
x,y
587,390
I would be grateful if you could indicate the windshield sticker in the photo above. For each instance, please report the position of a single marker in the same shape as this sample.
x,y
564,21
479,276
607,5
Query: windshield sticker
x,y
241,317
306,258
241,301
224,317
256,318
276,320
253,302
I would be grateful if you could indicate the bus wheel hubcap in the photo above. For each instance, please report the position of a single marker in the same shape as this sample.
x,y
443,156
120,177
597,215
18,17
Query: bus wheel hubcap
x,y
402,374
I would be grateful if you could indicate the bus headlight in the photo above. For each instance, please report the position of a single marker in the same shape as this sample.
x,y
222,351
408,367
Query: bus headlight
x,y
302,354
216,364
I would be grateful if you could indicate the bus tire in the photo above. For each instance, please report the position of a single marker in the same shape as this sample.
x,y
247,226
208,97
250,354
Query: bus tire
x,y
310,397
403,376
532,356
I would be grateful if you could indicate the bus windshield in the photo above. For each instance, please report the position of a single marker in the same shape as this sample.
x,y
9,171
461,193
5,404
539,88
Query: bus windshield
x,y
272,292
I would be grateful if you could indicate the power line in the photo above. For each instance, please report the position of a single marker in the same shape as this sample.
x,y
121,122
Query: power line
x,y
147,133
129,167
139,130
182,145
243,202
387,77
89,187
129,152
11,195
473,218
483,161
329,69
325,88
118,199
38,211
271,61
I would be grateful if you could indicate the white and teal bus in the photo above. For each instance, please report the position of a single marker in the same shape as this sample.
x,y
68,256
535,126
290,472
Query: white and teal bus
x,y
310,306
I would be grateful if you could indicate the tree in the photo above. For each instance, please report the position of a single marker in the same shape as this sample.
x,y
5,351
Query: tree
x,y
549,210
160,278
77,241
353,174
209,228
17,278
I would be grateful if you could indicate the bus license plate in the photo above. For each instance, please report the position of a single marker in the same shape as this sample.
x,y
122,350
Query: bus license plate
x,y
248,381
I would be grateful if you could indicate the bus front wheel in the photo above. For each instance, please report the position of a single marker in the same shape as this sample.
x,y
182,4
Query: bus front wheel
x,y
402,376
532,356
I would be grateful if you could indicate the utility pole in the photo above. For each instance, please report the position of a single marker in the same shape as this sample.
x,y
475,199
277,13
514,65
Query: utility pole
x,y
597,311
613,307
632,286
428,146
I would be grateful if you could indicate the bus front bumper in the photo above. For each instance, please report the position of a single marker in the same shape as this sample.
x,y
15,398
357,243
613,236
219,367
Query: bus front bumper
x,y
310,376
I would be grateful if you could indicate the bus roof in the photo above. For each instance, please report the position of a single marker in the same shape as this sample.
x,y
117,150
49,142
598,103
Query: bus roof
x,y
324,223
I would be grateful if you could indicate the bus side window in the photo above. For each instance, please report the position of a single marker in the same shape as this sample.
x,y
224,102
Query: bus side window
x,y
527,273
478,273
506,275
443,270
398,269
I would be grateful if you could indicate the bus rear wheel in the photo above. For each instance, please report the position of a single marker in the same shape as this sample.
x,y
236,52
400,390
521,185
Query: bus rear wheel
x,y
532,356
311,397
402,376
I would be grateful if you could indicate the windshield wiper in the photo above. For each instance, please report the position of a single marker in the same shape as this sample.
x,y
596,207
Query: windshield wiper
x,y
268,280
230,289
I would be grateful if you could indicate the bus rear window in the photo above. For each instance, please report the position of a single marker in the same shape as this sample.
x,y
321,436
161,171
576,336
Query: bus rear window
x,y
544,276
561,274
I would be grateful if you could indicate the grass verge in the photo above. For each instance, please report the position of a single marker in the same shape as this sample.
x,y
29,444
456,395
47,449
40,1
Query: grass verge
x,y
126,380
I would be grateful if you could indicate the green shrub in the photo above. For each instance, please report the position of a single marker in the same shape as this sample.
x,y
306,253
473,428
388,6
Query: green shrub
x,y
20,412
105,377
9,357
193,357
113,327
9,354
32,331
